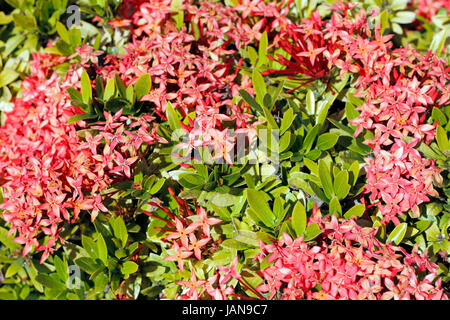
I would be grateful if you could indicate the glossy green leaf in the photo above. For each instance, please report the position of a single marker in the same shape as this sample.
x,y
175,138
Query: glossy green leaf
x,y
81,116
325,179
335,206
7,76
257,201
355,211
110,89
312,231
326,141
249,99
129,267
49,282
143,86
441,138
86,87
340,184
172,117
259,86
398,233
102,249
299,219
62,268
262,55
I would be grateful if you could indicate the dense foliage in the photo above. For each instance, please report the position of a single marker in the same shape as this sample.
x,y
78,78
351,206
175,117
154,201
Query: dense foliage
x,y
237,149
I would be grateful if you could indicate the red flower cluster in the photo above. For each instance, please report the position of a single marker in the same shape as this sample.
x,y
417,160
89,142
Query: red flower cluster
x,y
429,8
49,172
399,88
216,286
347,262
188,232
197,73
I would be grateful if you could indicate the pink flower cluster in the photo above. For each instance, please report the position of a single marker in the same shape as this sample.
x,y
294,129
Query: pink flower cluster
x,y
50,173
189,233
399,88
216,286
197,73
347,262
429,8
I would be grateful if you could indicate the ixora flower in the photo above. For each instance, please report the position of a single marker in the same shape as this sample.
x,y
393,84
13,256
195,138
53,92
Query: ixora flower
x,y
110,195
347,262
399,87
50,173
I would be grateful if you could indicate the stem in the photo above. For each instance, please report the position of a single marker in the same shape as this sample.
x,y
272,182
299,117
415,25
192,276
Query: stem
x,y
157,217
242,297
251,289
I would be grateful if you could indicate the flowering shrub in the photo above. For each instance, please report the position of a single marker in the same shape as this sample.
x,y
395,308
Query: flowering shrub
x,y
245,149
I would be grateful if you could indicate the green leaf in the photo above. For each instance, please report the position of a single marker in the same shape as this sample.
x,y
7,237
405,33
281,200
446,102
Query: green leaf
x,y
120,86
257,202
178,16
172,117
259,86
310,137
249,99
312,231
7,76
120,230
350,111
90,246
234,244
384,20
262,55
327,141
340,184
81,116
310,103
267,101
287,120
277,93
335,206
86,87
50,283
143,86
404,17
270,119
324,105
62,268
75,37
355,211
285,141
130,93
354,170
438,115
325,179
398,233
299,219
110,89
223,199
13,268
7,240
247,237
423,225
86,264
99,87
252,55
441,138
62,32
102,249
129,267
5,19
